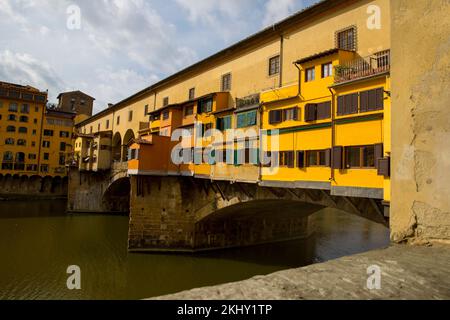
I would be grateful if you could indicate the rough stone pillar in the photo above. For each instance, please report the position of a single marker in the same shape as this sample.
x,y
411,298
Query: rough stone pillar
x,y
420,207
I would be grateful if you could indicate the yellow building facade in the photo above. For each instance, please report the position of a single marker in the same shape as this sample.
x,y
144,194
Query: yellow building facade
x,y
317,83
34,140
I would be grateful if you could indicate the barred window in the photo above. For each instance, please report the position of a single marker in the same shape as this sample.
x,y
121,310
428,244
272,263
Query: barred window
x,y
346,39
274,65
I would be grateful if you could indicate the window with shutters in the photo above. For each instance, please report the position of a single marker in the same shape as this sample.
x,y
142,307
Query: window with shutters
x,y
323,110
371,100
223,123
290,114
286,159
318,158
310,112
346,39
347,104
205,105
275,116
360,157
327,70
274,65
226,82
310,74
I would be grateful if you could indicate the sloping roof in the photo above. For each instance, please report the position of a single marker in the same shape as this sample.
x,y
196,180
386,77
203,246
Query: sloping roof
x,y
318,55
76,91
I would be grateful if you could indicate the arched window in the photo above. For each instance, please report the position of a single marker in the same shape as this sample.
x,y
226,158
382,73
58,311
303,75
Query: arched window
x,y
20,157
11,129
21,142
9,141
23,130
8,156
12,117
23,119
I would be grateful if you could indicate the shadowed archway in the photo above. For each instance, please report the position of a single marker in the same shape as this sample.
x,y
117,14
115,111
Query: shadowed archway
x,y
116,198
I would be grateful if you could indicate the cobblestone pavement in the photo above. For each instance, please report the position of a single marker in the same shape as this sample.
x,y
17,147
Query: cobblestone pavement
x,y
407,272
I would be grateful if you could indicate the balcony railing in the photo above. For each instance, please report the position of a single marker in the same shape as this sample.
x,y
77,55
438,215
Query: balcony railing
x,y
377,63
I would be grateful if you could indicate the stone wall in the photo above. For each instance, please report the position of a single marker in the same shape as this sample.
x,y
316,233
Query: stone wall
x,y
190,214
17,187
420,207
101,192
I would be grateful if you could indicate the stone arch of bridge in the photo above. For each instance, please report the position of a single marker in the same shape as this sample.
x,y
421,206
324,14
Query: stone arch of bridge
x,y
116,198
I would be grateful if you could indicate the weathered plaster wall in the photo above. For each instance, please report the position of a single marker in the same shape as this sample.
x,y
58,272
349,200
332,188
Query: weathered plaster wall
x,y
420,208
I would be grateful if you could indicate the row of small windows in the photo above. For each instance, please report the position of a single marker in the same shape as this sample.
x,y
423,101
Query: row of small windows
x,y
13,94
326,71
14,107
20,142
13,117
350,157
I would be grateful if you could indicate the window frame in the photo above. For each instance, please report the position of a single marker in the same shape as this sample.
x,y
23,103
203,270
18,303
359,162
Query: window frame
x,y
329,67
361,157
307,74
346,44
276,66
226,82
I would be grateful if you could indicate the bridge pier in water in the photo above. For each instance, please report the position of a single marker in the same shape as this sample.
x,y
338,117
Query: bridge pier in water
x,y
187,214
191,214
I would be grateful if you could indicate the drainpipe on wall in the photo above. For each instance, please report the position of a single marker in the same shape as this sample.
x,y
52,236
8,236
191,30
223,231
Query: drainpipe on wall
x,y
333,130
280,84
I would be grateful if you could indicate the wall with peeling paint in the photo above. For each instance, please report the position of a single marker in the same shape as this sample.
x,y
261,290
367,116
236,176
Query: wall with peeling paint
x,y
420,207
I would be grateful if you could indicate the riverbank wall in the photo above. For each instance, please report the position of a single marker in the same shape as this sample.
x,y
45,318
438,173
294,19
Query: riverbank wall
x,y
35,187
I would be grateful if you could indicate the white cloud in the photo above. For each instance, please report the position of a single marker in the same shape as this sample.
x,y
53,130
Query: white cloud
x,y
123,45
24,69
276,10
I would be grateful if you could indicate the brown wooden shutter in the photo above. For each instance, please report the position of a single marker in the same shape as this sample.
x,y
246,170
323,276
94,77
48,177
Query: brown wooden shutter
x,y
384,167
379,97
354,103
310,112
290,159
364,101
296,113
324,110
341,106
271,117
372,100
337,162
300,159
378,153
328,157
275,116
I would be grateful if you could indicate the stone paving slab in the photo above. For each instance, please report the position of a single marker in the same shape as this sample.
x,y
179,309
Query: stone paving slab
x,y
407,272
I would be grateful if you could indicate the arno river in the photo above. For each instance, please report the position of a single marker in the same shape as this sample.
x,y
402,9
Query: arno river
x,y
38,241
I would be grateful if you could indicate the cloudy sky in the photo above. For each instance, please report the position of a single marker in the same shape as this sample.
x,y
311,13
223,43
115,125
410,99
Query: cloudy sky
x,y
121,46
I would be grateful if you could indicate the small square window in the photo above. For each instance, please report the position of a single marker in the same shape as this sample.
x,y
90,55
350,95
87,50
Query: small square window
x,y
327,70
310,74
